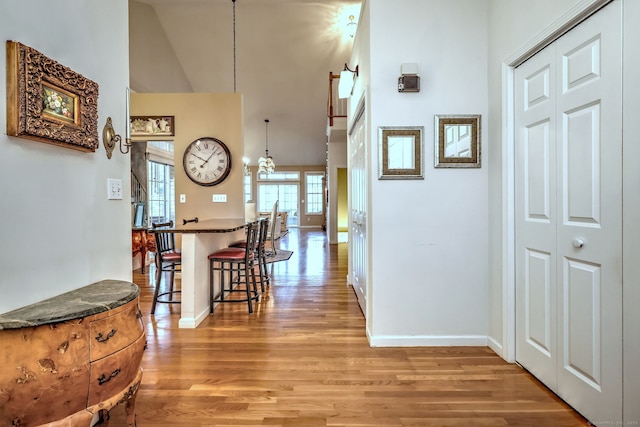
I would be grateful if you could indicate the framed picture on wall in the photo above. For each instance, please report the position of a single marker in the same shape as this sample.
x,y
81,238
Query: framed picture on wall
x,y
152,126
139,215
49,102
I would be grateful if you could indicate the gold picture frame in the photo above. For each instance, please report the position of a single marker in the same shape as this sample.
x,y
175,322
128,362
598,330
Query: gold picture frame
x,y
400,152
457,141
49,102
145,126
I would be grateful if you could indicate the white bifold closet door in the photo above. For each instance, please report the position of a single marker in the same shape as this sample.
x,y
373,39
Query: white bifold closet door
x,y
568,124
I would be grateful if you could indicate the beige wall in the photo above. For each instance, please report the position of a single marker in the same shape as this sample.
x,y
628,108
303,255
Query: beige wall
x,y
343,200
153,64
198,115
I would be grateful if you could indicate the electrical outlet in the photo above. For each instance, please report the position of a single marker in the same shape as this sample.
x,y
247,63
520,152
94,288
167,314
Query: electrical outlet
x,y
114,189
219,198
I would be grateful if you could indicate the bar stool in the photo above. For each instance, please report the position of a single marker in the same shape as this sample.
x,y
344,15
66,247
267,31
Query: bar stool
x,y
168,259
238,261
260,252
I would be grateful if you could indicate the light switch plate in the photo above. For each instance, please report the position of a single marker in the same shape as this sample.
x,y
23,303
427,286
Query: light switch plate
x,y
183,198
114,189
219,198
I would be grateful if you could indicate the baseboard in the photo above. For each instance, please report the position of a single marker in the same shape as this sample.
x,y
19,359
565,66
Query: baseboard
x,y
193,322
428,341
495,346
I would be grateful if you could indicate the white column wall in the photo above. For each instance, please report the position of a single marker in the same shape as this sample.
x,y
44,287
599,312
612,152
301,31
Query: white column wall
x,y
429,276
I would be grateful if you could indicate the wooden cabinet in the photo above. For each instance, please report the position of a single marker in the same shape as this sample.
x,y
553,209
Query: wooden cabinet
x,y
66,359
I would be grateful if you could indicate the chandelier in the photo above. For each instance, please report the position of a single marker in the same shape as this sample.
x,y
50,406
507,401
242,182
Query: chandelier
x,y
234,46
266,164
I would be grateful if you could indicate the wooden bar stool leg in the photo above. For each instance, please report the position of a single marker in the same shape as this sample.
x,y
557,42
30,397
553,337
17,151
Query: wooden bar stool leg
x,y
247,287
255,281
172,275
156,291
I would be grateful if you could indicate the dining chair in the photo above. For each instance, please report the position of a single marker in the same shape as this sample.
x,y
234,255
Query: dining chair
x,y
169,259
235,266
260,252
272,231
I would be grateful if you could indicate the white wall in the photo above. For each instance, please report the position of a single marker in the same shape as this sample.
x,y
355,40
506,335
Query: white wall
x,y
428,279
59,231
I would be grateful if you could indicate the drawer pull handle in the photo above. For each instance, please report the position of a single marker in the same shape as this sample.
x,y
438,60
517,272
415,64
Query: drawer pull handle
x,y
103,378
100,338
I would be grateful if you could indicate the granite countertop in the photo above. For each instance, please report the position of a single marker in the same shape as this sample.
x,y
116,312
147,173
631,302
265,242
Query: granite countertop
x,y
86,301
218,225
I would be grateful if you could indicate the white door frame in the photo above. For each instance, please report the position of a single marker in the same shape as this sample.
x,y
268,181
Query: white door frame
x,y
570,19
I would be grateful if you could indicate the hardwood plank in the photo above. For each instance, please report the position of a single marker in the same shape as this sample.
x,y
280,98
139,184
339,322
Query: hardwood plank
x,y
302,359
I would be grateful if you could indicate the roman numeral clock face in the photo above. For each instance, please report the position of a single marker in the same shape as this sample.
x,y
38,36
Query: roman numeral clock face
x,y
207,161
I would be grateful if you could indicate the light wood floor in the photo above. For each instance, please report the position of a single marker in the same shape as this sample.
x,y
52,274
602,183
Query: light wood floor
x,y
302,359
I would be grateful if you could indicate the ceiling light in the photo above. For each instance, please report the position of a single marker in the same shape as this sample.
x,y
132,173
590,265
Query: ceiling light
x,y
245,161
266,164
352,26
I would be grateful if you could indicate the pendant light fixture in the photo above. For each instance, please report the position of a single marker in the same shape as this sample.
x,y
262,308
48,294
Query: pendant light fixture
x,y
266,164
234,46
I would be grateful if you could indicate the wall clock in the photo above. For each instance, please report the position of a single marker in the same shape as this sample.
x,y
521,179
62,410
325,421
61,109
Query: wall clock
x,y
207,161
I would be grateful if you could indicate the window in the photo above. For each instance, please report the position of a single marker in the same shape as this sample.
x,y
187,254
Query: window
x,y
165,146
279,176
247,188
283,187
161,193
286,194
160,182
314,192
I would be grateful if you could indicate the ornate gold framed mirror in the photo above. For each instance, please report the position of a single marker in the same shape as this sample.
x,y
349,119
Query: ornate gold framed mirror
x,y
400,152
457,141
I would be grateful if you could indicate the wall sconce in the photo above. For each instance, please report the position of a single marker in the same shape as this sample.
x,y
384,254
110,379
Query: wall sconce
x,y
110,139
409,81
109,136
347,77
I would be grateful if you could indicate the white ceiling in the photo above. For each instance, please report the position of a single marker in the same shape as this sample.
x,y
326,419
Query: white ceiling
x,y
284,49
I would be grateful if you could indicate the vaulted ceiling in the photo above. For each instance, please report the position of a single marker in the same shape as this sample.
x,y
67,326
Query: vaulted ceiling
x,y
284,52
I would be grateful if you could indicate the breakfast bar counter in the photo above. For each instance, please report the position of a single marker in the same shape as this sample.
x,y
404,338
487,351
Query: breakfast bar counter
x,y
199,239
219,225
